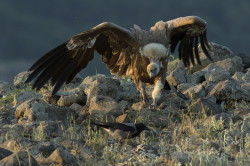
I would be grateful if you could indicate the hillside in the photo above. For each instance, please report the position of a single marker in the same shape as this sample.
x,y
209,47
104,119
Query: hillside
x,y
203,120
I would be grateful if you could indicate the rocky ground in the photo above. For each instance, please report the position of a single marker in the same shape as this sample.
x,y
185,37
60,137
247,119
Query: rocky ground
x,y
203,120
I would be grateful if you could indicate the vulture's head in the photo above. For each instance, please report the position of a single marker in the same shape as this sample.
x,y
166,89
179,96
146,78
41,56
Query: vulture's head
x,y
156,53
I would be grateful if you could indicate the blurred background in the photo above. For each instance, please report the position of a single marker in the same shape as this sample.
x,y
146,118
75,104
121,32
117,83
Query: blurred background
x,y
31,28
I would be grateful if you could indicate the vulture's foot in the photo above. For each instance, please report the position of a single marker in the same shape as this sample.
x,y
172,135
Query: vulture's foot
x,y
154,106
144,97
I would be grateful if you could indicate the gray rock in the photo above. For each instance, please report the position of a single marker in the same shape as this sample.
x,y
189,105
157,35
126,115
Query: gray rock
x,y
238,76
153,118
24,96
67,100
104,107
206,105
208,85
218,52
19,80
46,148
19,158
128,92
245,59
184,86
177,76
6,116
197,77
242,78
197,91
181,157
231,65
50,129
229,90
217,75
173,102
61,156
245,86
246,77
38,110
76,107
5,88
4,153
217,71
100,85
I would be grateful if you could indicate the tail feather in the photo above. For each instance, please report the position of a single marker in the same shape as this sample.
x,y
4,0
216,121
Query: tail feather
x,y
106,126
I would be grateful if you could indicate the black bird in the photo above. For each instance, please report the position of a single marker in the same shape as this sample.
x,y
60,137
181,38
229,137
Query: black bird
x,y
122,131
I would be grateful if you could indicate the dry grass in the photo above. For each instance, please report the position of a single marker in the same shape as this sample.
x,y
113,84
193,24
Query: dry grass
x,y
193,140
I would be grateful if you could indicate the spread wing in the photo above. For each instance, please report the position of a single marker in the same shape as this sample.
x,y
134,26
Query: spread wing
x,y
61,64
188,32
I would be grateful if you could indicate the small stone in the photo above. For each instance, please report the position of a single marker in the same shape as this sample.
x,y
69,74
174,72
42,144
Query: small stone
x,y
61,156
67,100
24,96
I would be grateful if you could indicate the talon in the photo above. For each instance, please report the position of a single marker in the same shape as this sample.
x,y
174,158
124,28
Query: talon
x,y
154,106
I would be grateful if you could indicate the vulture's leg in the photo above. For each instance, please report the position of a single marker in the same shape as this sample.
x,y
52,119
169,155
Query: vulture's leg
x,y
143,93
156,94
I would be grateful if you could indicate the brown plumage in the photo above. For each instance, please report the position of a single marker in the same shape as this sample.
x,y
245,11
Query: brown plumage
x,y
141,54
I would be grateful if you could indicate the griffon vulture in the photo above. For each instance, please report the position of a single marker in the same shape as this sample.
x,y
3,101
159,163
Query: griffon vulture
x,y
141,54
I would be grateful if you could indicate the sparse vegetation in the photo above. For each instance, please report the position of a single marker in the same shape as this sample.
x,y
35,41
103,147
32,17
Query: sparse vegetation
x,y
193,140
193,129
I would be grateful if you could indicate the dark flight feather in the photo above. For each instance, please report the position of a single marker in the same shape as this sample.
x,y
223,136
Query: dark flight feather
x,y
204,49
196,52
190,50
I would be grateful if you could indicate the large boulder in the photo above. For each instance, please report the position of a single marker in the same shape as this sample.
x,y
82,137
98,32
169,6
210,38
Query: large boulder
x,y
104,108
128,92
38,110
231,65
206,105
229,90
100,85
217,71
218,53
